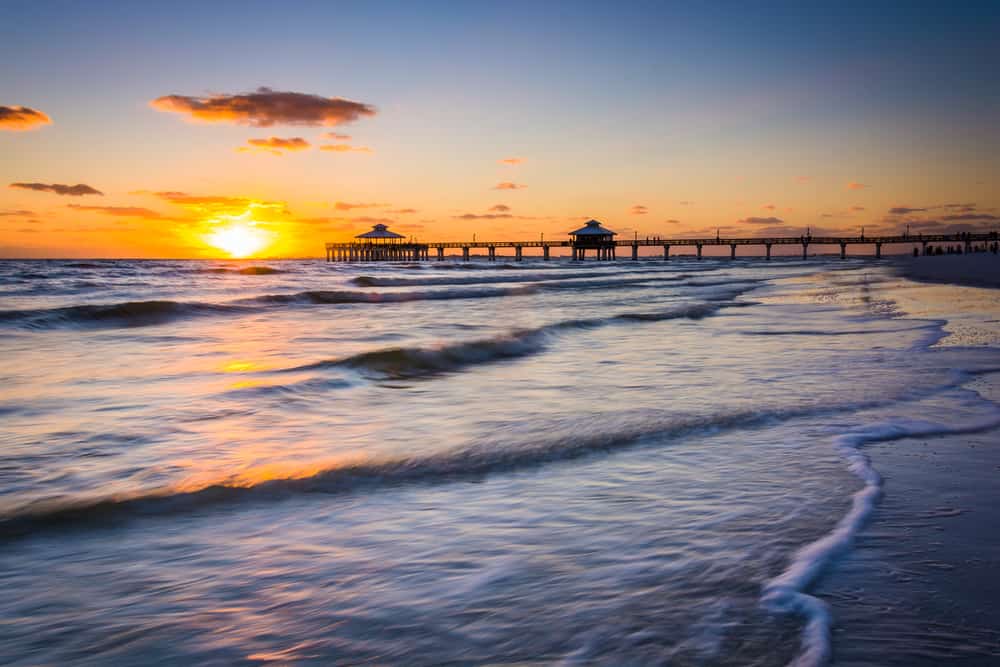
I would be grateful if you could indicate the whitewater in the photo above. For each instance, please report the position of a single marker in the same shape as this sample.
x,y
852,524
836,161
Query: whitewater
x,y
628,463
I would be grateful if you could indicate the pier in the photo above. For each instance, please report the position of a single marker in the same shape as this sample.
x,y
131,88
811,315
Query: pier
x,y
595,240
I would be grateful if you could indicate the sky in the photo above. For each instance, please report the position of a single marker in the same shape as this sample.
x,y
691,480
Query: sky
x,y
190,129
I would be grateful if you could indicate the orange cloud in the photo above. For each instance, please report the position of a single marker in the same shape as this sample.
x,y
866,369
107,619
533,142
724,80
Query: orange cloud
x,y
401,211
20,119
120,211
345,148
803,179
511,161
856,186
857,208
672,221
276,145
753,220
16,213
639,209
347,206
483,216
507,185
335,136
77,190
216,204
769,207
501,208
264,108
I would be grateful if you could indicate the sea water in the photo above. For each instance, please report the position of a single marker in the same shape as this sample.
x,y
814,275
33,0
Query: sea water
x,y
450,463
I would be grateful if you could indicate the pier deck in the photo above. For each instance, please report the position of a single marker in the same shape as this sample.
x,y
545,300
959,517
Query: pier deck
x,y
413,251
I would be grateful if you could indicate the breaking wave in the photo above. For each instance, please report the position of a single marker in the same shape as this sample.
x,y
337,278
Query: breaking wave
x,y
126,314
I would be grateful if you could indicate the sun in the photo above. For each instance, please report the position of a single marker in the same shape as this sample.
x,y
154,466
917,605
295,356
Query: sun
x,y
237,235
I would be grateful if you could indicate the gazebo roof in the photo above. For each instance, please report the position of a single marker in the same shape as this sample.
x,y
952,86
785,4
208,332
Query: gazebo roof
x,y
593,228
380,231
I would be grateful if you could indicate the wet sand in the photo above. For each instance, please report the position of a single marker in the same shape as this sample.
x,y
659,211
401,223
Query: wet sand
x,y
978,269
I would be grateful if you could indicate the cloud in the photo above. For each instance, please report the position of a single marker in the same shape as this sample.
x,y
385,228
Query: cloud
x,y
483,216
971,216
345,148
500,208
673,222
77,190
17,213
347,206
401,211
276,145
857,209
335,136
639,209
216,204
685,203
903,210
507,185
856,186
120,211
769,207
373,221
753,220
803,179
511,161
20,119
264,108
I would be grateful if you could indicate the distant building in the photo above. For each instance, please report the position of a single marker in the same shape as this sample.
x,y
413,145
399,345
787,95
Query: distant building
x,y
596,236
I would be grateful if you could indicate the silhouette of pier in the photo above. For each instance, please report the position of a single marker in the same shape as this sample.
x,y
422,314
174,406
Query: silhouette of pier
x,y
599,242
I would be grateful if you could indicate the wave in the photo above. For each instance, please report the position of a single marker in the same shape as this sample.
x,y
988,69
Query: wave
x,y
245,271
413,362
126,314
599,434
146,313
786,592
346,296
388,281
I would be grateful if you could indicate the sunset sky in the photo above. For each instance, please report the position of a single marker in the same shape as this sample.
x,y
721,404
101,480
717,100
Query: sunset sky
x,y
156,129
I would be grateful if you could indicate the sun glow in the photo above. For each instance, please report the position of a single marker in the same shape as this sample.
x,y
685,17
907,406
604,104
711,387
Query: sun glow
x,y
238,235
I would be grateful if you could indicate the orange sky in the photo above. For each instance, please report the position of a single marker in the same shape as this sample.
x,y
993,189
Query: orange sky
x,y
473,125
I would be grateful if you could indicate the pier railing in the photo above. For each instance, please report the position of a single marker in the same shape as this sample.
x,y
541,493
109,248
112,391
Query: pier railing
x,y
367,251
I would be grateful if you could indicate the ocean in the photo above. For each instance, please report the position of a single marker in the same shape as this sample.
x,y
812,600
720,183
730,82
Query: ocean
x,y
446,463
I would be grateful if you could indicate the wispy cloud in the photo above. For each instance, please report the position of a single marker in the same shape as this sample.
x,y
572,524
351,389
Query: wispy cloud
x,y
482,216
500,208
348,206
265,107
15,213
673,221
803,179
119,211
638,209
769,207
20,119
856,186
334,136
345,148
511,161
507,185
77,190
276,145
401,211
904,210
754,220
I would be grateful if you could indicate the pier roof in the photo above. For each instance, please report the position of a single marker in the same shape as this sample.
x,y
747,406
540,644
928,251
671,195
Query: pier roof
x,y
380,231
593,228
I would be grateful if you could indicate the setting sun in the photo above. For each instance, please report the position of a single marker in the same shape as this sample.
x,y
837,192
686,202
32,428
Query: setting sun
x,y
238,239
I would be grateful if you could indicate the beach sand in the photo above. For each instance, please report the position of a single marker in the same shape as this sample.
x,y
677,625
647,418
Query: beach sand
x,y
981,269
920,587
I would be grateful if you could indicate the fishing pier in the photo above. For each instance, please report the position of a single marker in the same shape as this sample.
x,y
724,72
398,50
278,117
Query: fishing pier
x,y
381,244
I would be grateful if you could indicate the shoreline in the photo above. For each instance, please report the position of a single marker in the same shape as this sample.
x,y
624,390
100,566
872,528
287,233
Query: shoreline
x,y
972,270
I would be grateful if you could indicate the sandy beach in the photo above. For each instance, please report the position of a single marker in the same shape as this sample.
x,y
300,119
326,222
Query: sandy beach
x,y
979,269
